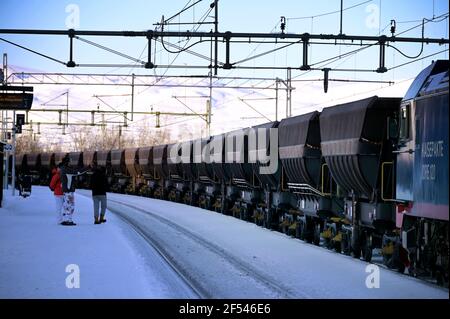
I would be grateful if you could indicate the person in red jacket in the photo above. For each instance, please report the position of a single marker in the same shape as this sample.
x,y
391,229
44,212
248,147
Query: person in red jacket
x,y
56,187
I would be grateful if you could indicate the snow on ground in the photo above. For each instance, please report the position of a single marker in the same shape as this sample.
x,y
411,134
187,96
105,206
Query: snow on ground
x,y
301,270
114,261
223,256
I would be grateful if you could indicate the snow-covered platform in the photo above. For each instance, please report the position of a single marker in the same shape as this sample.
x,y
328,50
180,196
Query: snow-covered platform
x,y
37,256
155,249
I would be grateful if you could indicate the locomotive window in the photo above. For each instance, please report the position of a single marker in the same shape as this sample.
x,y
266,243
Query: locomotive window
x,y
404,122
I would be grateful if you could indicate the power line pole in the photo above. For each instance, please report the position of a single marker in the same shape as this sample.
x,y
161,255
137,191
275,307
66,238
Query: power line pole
x,y
277,83
13,136
132,96
289,93
4,126
13,164
216,40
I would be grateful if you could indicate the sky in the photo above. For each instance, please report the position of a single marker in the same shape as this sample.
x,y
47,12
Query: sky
x,y
229,112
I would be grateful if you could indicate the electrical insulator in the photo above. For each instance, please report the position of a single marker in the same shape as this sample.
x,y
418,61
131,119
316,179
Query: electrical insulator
x,y
393,27
283,24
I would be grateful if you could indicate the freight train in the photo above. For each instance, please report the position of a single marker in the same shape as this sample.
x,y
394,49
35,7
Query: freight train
x,y
369,174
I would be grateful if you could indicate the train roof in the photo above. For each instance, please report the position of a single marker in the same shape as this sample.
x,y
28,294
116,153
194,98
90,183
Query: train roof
x,y
294,130
350,120
423,83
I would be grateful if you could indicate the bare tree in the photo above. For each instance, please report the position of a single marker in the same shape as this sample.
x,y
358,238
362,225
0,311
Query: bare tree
x,y
27,143
147,134
81,137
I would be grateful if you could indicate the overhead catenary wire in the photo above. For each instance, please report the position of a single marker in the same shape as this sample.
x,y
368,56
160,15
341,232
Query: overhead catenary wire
x,y
33,51
265,53
126,56
329,13
174,59
56,97
343,55
383,87
195,29
419,59
340,57
202,56
441,18
185,8
183,49
437,19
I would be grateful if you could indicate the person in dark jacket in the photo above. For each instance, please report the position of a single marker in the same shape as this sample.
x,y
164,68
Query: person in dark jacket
x,y
99,185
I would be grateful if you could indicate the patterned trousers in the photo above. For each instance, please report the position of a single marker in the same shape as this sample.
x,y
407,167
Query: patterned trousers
x,y
68,206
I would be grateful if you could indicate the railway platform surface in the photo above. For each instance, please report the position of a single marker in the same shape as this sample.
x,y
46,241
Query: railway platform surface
x,y
38,256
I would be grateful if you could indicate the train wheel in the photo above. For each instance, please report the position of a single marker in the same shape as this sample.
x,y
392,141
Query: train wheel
x,y
267,221
255,218
345,244
356,253
301,230
367,247
335,244
309,230
316,239
242,214
355,243
330,242
224,208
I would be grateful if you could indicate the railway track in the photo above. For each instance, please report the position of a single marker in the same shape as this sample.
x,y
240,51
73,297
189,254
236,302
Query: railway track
x,y
172,263
248,268
197,258
200,290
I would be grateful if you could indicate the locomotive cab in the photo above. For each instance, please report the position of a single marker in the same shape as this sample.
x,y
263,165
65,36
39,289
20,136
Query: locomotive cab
x,y
422,174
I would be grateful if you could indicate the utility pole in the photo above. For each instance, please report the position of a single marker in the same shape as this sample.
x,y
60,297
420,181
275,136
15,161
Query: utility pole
x,y
277,83
132,96
288,93
209,106
5,181
13,164
208,118
13,137
120,135
216,29
4,125
67,107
